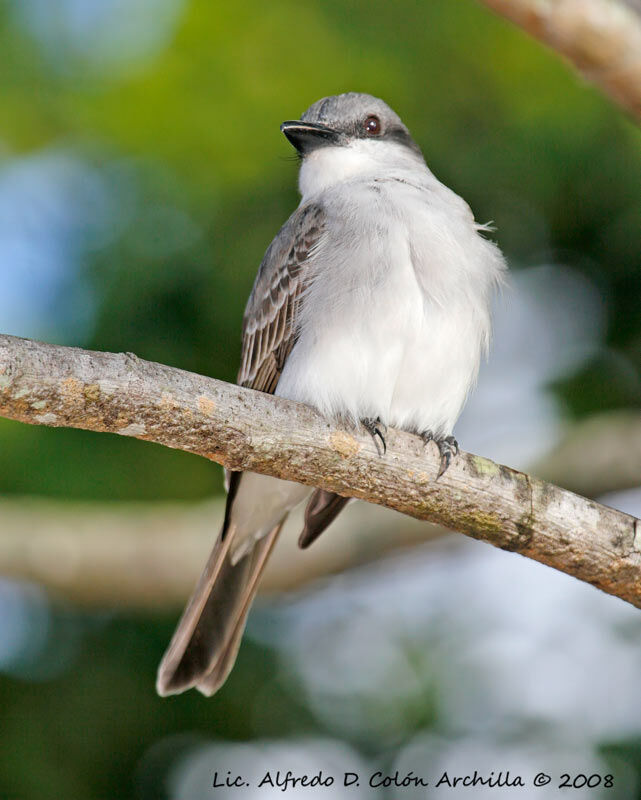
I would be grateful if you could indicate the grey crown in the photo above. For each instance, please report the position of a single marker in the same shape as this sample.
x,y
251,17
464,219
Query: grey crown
x,y
346,112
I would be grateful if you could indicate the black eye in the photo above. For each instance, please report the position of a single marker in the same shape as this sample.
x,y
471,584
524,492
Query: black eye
x,y
372,125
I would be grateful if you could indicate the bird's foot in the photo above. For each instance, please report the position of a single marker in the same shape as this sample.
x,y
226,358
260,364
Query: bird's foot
x,y
447,447
373,427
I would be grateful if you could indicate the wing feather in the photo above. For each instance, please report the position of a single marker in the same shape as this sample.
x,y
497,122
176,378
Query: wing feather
x,y
204,646
269,324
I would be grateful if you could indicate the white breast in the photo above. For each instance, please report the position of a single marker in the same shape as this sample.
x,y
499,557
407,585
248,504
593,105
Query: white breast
x,y
396,317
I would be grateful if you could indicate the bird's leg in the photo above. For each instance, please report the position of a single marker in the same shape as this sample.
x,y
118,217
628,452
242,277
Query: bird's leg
x,y
373,427
447,447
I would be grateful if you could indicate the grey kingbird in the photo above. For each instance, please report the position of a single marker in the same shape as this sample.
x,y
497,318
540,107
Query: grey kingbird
x,y
372,304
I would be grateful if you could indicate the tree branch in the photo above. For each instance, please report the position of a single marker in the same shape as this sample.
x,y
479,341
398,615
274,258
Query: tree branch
x,y
149,555
247,430
602,39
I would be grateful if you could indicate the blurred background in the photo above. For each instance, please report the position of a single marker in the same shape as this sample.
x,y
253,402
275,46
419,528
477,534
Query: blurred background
x,y
142,175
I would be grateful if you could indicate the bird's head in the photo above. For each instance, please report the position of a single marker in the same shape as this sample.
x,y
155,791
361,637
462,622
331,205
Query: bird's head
x,y
347,135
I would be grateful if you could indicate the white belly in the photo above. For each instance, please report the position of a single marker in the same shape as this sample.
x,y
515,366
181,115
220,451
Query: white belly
x,y
393,355
396,316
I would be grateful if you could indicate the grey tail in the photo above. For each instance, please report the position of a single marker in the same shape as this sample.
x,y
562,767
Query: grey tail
x,y
203,649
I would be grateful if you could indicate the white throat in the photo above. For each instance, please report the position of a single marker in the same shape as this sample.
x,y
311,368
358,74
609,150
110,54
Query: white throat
x,y
328,166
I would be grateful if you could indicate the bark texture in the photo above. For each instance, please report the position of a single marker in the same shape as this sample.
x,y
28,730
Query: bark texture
x,y
148,555
602,39
247,430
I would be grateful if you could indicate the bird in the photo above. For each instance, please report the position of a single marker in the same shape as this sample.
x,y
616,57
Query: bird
x,y
373,305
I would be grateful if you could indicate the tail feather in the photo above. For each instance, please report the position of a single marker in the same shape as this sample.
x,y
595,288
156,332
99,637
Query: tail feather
x,y
204,647
322,509
215,678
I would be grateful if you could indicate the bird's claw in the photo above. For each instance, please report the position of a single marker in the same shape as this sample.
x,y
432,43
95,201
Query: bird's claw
x,y
373,427
447,447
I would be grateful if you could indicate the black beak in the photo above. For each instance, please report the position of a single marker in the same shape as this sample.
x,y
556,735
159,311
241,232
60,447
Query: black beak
x,y
308,136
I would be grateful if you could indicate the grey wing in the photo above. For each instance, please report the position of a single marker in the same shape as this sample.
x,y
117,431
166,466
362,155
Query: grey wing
x,y
204,646
322,509
269,332
269,324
